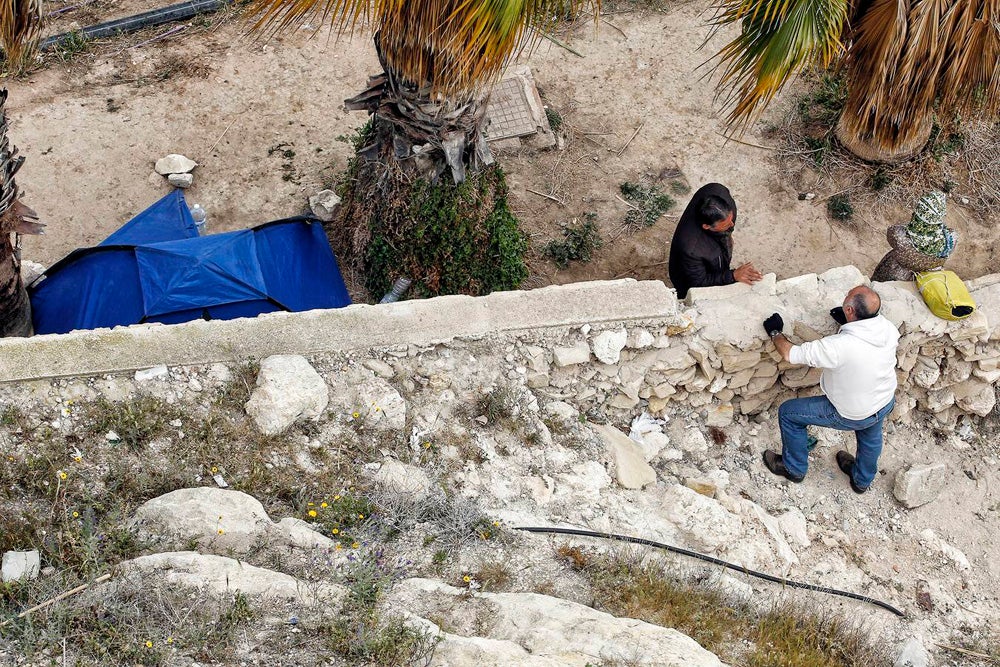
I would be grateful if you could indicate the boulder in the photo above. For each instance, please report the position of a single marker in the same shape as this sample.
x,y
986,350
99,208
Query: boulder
x,y
217,519
20,565
182,181
703,522
793,525
608,345
288,389
631,469
174,164
324,204
920,484
551,631
976,397
221,577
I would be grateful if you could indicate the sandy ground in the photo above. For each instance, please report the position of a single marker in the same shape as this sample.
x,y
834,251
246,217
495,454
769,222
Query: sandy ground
x,y
265,121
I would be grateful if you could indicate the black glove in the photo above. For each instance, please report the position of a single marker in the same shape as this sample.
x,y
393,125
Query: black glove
x,y
774,323
838,315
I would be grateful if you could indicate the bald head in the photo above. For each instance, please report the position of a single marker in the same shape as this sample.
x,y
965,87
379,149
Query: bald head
x,y
861,303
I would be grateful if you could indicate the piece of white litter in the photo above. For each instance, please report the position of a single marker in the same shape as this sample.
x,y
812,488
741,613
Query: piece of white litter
x,y
220,481
111,436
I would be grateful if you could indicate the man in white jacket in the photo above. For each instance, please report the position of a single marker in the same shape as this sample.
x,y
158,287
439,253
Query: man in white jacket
x,y
858,383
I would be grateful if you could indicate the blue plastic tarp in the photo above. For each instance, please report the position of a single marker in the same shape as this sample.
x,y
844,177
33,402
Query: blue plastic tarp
x,y
166,220
157,271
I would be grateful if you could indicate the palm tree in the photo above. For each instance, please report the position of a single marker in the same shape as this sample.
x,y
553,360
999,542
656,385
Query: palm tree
x,y
423,169
904,62
15,219
19,29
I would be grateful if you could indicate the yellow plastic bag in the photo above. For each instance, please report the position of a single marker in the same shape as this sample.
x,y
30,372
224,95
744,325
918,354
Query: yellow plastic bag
x,y
945,294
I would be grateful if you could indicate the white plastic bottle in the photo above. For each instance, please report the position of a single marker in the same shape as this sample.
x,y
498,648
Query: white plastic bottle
x,y
200,218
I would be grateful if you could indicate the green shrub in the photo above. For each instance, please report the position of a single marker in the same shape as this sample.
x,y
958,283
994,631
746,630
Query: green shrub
x,y
840,208
648,203
578,243
447,238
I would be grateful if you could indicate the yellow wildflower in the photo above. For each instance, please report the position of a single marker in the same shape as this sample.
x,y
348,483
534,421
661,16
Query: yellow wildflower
x,y
355,545
467,579
76,515
222,532
355,414
361,516
149,644
310,504
338,546
336,498
312,512
62,475
335,531
323,504
214,470
170,640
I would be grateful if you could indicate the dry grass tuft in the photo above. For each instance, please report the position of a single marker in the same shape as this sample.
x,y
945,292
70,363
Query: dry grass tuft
x,y
741,634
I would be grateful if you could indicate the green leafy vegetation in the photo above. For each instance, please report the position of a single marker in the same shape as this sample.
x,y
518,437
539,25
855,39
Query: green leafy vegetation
x,y
580,240
646,204
840,207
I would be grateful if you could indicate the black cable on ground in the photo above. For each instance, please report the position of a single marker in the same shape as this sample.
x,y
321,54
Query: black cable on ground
x,y
154,17
714,561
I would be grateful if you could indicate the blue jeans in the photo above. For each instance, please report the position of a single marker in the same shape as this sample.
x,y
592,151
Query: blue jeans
x,y
795,414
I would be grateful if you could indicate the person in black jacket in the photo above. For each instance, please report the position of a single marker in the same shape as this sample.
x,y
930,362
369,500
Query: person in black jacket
x,y
702,247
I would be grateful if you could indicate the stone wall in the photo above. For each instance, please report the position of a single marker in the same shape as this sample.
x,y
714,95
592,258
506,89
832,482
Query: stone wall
x,y
616,346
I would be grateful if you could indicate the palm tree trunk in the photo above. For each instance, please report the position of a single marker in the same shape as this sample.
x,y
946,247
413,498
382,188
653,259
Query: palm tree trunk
x,y
15,308
871,142
424,135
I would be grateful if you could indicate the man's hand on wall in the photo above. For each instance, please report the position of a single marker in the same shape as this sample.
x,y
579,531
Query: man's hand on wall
x,y
746,273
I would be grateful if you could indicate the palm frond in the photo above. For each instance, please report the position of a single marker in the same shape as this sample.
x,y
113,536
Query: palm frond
x,y
779,38
20,26
449,45
970,78
15,216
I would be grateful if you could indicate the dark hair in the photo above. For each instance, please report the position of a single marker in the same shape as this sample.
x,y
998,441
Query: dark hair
x,y
865,306
714,209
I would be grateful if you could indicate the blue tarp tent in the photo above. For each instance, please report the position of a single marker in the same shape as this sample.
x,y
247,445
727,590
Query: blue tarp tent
x,y
157,269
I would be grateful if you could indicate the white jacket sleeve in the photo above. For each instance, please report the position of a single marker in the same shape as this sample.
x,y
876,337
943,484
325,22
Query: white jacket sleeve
x,y
822,353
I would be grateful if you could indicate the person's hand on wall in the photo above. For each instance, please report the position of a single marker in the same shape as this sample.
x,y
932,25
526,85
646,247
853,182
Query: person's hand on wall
x,y
747,274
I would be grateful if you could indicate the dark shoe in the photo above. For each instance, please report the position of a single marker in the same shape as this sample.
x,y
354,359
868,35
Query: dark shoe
x,y
846,464
773,462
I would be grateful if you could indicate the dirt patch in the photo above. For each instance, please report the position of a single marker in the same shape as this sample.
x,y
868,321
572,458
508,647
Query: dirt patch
x,y
632,105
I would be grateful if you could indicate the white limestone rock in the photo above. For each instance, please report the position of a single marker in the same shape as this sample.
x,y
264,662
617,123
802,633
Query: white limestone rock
x,y
704,523
608,345
219,520
398,477
324,204
551,631
920,484
174,164
182,181
952,553
631,469
18,565
154,373
912,654
299,534
221,577
288,389
571,356
976,397
793,524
